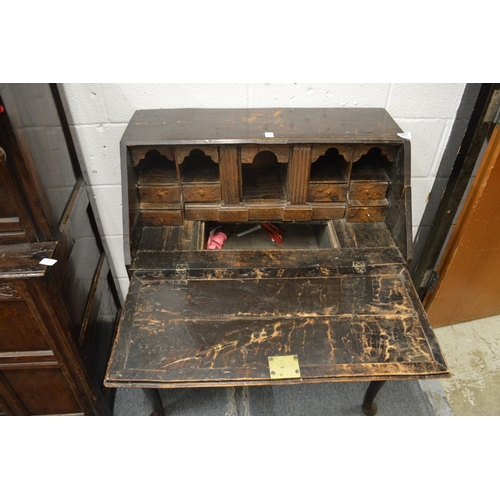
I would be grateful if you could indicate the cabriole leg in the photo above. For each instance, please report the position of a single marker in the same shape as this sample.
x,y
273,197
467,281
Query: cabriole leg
x,y
369,407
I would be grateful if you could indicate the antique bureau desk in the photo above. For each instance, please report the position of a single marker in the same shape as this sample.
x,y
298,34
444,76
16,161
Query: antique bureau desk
x,y
320,292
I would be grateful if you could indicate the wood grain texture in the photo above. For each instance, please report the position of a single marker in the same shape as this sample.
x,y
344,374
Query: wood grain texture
x,y
230,172
248,126
336,294
214,332
469,284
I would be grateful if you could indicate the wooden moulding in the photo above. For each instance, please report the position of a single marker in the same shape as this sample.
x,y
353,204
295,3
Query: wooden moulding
x,y
387,150
201,212
298,174
297,212
249,151
265,212
182,152
328,211
320,149
138,153
233,213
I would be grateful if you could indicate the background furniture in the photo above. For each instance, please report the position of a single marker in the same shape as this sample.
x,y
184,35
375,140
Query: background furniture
x,y
56,321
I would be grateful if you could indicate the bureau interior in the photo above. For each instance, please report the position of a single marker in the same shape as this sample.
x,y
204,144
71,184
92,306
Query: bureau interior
x,y
269,236
307,191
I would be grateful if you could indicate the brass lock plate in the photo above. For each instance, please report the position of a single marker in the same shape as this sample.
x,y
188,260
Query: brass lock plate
x,y
284,367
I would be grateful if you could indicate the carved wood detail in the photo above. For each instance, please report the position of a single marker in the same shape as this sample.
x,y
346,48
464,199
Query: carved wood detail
x,y
183,152
8,291
138,153
321,149
250,151
388,151
298,174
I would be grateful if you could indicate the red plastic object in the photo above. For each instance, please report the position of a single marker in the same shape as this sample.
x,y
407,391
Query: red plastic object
x,y
275,233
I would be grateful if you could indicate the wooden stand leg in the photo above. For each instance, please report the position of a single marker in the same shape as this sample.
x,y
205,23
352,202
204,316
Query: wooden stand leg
x,y
369,407
155,399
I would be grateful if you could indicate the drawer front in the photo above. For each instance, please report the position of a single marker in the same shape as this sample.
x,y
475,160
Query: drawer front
x,y
167,194
328,211
201,212
366,190
366,214
162,218
201,193
327,192
265,213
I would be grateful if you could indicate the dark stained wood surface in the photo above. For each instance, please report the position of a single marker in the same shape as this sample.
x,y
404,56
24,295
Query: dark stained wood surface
x,y
56,322
340,299
224,126
210,332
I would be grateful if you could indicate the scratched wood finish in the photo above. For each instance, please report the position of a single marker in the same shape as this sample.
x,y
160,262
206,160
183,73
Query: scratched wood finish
x,y
221,332
337,293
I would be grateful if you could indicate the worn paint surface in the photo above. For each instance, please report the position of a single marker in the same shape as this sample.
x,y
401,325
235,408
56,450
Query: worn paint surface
x,y
217,331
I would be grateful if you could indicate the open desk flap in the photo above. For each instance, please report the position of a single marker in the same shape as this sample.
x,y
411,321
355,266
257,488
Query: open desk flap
x,y
205,331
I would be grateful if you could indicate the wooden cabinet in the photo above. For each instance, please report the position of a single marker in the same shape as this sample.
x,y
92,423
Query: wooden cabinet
x,y
331,298
57,316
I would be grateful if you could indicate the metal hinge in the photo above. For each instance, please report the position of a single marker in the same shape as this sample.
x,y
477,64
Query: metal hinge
x,y
430,280
181,274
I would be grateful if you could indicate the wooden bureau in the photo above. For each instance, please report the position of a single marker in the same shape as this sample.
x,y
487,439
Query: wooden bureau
x,y
331,302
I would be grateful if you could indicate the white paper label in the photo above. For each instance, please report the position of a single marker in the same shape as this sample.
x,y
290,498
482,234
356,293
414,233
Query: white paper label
x,y
405,135
268,134
47,262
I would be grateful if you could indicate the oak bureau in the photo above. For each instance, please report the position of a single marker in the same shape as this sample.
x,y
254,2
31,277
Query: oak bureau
x,y
308,280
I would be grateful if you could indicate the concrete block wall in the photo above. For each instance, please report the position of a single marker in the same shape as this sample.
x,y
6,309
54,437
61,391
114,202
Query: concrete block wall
x,y
99,114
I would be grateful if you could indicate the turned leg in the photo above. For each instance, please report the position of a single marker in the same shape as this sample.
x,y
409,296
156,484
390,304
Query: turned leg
x,y
369,407
155,399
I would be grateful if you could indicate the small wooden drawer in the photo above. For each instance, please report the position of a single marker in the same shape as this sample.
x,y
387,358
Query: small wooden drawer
x,y
297,212
233,214
193,211
201,192
327,192
328,211
162,217
366,214
160,194
367,190
264,213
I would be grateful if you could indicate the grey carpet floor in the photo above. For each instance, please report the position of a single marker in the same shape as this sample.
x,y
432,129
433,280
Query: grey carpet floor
x,y
400,398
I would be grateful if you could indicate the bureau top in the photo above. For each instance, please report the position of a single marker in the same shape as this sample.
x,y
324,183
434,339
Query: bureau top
x,y
262,125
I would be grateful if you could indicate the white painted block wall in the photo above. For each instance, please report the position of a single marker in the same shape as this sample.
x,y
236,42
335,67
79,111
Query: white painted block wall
x,y
99,114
